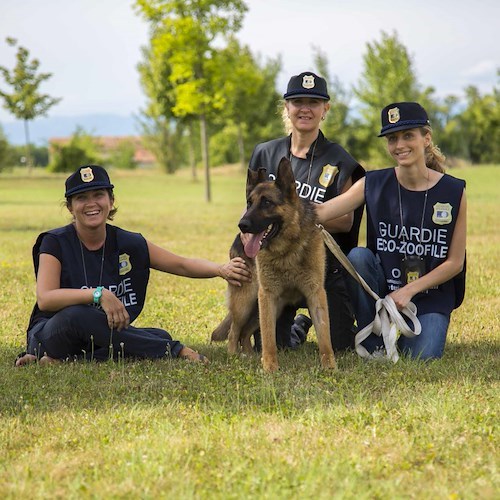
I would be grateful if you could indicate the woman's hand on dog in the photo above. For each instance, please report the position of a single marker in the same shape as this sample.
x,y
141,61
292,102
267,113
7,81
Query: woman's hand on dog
x,y
235,271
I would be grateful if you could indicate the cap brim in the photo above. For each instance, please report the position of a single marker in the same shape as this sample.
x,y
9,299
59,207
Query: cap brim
x,y
314,96
401,127
93,187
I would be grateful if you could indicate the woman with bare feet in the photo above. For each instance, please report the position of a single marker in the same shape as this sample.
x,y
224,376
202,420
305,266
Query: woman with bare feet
x,y
91,283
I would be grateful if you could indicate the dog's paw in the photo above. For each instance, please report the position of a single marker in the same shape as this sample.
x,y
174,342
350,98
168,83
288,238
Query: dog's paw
x,y
218,336
269,365
328,362
232,348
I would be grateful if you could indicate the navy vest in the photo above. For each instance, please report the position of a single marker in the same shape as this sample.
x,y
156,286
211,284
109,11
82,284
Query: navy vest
x,y
391,241
332,166
125,271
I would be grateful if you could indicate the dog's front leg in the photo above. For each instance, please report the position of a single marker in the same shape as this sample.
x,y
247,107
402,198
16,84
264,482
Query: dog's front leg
x,y
318,308
233,339
246,335
267,320
237,325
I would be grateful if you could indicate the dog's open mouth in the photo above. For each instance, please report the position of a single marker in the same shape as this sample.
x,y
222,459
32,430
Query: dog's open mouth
x,y
259,240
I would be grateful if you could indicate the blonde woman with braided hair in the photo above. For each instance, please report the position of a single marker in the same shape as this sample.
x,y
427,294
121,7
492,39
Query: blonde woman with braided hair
x,y
416,233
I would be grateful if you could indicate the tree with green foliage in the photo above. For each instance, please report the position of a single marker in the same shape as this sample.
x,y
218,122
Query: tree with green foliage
x,y
162,137
7,154
190,32
25,101
39,155
469,129
248,90
479,126
336,126
450,140
388,76
13,155
161,130
123,155
80,150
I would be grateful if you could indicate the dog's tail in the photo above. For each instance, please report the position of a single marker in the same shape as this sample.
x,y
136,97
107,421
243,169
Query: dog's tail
x,y
221,333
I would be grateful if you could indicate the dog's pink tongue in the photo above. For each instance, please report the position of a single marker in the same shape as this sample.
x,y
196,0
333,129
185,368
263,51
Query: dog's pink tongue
x,y
253,246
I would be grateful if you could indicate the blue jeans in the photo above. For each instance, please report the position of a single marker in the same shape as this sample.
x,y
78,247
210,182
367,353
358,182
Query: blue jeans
x,y
428,345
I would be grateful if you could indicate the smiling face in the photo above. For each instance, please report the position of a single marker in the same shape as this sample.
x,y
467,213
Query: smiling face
x,y
91,208
305,113
407,147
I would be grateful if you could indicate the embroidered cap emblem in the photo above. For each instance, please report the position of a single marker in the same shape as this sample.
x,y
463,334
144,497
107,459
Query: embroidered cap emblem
x,y
393,115
308,82
86,174
124,264
442,214
328,175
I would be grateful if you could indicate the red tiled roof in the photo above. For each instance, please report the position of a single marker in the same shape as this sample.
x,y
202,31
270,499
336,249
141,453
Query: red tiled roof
x,y
109,143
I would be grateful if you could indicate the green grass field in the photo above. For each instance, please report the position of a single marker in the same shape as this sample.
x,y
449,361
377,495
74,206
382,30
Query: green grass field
x,y
170,429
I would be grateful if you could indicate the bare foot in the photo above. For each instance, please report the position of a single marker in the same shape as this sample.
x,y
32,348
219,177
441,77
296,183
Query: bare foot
x,y
191,355
47,360
26,359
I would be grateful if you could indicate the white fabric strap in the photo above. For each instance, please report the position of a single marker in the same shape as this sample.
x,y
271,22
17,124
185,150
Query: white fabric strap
x,y
388,322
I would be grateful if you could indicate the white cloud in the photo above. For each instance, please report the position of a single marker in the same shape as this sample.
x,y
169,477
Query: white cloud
x,y
481,69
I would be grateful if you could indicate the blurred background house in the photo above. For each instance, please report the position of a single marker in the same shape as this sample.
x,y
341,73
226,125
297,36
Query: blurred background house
x,y
112,151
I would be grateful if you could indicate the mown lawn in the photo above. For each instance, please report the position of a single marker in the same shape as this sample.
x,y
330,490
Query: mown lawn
x,y
170,429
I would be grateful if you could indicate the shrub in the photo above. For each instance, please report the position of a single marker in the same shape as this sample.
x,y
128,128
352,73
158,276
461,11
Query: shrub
x,y
80,150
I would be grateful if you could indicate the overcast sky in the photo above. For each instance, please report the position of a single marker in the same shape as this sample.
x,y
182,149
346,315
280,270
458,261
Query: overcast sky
x,y
92,46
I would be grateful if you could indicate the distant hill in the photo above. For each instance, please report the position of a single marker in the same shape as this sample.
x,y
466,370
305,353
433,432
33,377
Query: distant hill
x,y
42,129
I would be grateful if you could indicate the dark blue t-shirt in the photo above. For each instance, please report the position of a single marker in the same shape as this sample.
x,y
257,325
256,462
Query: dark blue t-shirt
x,y
125,270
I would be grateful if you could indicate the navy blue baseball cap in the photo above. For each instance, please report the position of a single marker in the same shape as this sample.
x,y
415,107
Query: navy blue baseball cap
x,y
402,116
307,85
87,178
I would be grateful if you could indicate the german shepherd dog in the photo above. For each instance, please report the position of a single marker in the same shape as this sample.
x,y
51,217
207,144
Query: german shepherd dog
x,y
286,255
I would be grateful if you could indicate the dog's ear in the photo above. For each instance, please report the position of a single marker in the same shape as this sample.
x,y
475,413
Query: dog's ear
x,y
254,177
285,179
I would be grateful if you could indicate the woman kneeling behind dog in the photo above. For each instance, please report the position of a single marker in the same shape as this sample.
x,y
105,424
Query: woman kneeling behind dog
x,y
322,169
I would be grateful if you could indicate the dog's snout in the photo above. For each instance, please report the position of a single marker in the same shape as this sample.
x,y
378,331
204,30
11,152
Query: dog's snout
x,y
244,225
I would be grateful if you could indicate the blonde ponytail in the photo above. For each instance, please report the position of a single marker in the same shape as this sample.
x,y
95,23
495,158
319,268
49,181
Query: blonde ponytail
x,y
434,158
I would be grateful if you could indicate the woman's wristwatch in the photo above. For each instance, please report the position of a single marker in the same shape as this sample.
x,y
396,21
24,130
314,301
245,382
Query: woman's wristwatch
x,y
98,295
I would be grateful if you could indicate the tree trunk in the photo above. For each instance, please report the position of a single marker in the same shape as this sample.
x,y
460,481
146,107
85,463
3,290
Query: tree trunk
x,y
29,163
204,155
241,147
192,156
